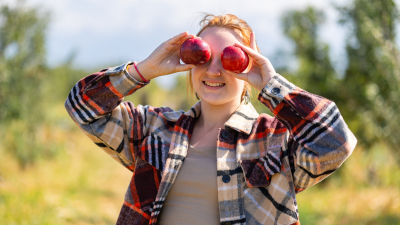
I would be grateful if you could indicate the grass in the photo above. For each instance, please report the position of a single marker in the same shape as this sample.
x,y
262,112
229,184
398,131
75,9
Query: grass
x,y
82,185
365,190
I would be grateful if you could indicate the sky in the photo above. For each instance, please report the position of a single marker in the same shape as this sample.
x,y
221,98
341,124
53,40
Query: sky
x,y
110,32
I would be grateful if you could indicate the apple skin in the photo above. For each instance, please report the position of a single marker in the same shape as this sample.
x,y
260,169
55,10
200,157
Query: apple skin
x,y
234,59
195,51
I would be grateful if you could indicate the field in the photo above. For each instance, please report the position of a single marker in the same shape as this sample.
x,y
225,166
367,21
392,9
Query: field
x,y
82,185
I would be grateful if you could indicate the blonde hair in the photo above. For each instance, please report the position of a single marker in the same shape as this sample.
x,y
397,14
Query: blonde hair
x,y
227,21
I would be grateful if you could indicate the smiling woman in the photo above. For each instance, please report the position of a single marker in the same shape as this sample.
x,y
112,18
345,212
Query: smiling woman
x,y
221,162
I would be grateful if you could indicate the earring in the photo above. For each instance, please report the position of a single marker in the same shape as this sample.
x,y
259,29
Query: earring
x,y
197,96
246,98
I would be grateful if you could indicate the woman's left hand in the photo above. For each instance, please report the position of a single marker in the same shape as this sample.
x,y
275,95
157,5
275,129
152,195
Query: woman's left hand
x,y
261,71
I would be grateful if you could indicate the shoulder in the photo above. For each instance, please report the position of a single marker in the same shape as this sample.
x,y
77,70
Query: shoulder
x,y
147,111
149,118
268,135
253,125
268,124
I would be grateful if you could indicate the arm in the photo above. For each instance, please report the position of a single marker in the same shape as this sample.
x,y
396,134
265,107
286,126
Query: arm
x,y
318,138
95,102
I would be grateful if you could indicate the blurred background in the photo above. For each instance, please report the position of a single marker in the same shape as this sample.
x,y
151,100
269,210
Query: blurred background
x,y
50,173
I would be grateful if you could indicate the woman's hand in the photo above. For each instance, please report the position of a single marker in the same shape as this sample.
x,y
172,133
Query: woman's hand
x,y
261,71
165,59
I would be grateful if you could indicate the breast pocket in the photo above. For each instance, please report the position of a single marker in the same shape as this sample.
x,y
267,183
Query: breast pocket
x,y
258,172
154,150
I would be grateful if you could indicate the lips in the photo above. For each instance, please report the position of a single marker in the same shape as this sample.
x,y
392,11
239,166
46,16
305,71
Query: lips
x,y
213,85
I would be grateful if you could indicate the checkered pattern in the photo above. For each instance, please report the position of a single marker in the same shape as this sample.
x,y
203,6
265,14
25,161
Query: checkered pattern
x,y
264,160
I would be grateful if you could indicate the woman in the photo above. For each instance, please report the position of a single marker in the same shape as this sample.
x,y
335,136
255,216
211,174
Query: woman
x,y
235,166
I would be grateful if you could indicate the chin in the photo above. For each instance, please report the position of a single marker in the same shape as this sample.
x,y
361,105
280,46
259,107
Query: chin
x,y
216,101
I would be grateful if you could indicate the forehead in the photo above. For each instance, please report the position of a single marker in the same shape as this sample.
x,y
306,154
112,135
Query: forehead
x,y
220,37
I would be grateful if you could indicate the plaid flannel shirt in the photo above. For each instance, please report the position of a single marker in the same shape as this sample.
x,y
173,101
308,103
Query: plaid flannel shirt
x,y
262,161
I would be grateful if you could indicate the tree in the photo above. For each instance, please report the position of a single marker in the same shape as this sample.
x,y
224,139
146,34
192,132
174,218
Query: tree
x,y
372,79
368,93
315,69
22,74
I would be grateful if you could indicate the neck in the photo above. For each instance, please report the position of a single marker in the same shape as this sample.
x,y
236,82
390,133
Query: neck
x,y
215,116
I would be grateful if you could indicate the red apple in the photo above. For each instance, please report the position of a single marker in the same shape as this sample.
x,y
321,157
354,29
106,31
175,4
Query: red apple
x,y
195,51
234,59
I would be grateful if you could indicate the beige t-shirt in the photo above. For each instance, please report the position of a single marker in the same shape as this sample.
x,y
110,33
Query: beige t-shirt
x,y
193,199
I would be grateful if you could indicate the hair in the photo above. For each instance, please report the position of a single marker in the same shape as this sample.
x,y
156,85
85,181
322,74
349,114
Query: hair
x,y
227,21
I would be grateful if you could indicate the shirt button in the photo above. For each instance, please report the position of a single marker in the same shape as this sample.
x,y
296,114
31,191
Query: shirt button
x,y
276,91
225,134
226,178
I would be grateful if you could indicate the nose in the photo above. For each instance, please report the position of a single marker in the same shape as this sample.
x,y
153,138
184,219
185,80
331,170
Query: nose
x,y
215,67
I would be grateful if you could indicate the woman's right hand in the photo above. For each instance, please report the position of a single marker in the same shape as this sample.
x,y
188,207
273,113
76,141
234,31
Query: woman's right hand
x,y
165,59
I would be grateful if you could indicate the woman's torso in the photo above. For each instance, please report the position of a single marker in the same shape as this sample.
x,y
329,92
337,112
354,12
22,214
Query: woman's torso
x,y
193,199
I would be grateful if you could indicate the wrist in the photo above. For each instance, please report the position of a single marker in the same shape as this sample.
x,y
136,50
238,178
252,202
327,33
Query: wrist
x,y
266,81
144,70
259,88
139,72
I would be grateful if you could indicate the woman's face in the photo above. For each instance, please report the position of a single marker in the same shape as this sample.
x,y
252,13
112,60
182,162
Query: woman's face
x,y
211,82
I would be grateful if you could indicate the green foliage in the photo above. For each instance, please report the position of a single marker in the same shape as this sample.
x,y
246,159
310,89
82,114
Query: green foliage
x,y
22,62
368,93
373,71
29,89
315,72
22,75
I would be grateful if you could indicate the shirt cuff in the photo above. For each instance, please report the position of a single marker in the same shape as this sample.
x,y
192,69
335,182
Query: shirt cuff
x,y
275,91
124,83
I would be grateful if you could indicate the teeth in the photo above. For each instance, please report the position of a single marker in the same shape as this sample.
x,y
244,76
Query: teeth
x,y
214,84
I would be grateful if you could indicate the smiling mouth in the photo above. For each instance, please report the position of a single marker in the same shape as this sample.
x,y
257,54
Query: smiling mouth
x,y
213,84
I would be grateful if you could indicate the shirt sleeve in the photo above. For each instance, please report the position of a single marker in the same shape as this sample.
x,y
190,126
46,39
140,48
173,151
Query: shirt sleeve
x,y
95,104
319,138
